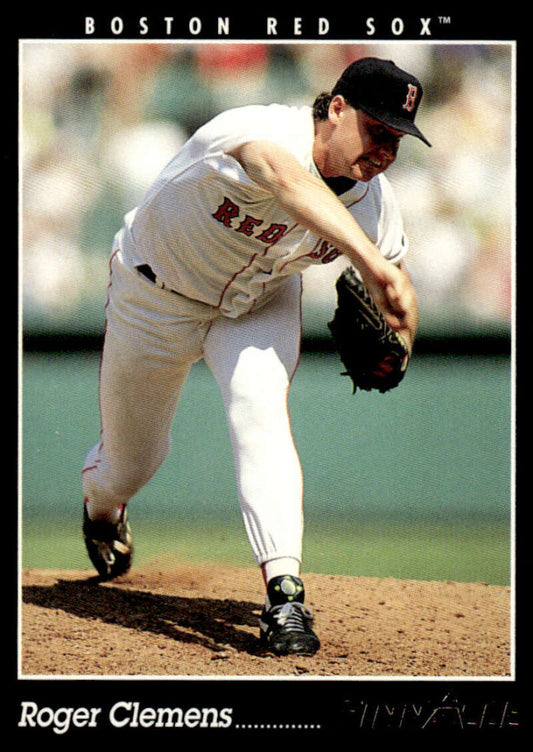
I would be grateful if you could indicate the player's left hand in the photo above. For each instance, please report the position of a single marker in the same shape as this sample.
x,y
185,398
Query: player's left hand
x,y
394,295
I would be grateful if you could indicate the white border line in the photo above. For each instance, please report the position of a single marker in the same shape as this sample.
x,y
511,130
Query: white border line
x,y
286,41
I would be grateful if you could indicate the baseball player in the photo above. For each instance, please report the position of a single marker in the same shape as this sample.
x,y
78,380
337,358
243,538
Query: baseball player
x,y
209,266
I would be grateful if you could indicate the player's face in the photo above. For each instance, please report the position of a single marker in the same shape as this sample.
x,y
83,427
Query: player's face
x,y
360,146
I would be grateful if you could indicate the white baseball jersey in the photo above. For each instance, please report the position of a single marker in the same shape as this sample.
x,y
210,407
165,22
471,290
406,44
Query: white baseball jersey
x,y
213,235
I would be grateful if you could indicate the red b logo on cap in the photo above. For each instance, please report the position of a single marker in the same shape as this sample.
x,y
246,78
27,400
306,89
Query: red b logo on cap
x,y
410,102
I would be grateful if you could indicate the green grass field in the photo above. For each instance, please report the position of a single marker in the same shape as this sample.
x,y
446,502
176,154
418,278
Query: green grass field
x,y
412,484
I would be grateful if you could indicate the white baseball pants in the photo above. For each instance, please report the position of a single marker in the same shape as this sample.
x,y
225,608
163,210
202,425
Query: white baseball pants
x,y
152,338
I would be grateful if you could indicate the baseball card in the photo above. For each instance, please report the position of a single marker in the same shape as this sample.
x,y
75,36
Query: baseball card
x,y
250,502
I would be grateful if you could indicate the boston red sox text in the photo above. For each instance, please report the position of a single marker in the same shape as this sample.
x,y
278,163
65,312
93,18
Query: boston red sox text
x,y
270,26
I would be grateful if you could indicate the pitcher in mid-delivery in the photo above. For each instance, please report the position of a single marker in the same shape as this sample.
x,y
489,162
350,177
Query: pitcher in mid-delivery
x,y
209,266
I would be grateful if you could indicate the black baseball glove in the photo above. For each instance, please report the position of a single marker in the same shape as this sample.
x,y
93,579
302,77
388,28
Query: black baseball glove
x,y
374,355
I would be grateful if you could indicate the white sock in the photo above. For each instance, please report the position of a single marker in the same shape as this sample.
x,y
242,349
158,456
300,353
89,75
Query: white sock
x,y
278,567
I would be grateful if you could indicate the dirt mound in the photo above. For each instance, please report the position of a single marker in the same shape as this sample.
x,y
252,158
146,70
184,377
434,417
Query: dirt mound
x,y
202,621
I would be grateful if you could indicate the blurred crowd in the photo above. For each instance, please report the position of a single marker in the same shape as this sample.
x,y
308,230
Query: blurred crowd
x,y
99,120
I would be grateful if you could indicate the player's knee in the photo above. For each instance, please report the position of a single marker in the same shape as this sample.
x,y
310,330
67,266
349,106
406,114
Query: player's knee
x,y
259,371
257,398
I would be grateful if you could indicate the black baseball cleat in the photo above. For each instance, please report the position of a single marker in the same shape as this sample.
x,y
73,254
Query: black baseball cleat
x,y
285,623
109,545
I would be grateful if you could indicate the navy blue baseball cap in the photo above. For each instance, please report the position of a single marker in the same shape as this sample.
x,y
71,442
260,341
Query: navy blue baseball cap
x,y
386,92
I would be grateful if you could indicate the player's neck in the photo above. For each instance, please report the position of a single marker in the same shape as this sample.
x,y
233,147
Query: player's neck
x,y
339,185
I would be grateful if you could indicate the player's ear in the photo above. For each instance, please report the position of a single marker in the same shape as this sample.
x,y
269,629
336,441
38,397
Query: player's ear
x,y
337,106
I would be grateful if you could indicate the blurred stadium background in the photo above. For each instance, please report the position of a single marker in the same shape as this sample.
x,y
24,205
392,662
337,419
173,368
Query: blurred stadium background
x,y
98,120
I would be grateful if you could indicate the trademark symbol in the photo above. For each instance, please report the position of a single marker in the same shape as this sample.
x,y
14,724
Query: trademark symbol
x,y
445,19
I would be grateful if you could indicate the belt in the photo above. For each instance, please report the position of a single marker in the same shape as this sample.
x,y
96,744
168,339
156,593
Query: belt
x,y
148,272
150,275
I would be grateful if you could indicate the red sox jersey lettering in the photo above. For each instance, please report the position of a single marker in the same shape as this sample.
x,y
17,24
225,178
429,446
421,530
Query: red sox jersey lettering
x,y
326,252
229,210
